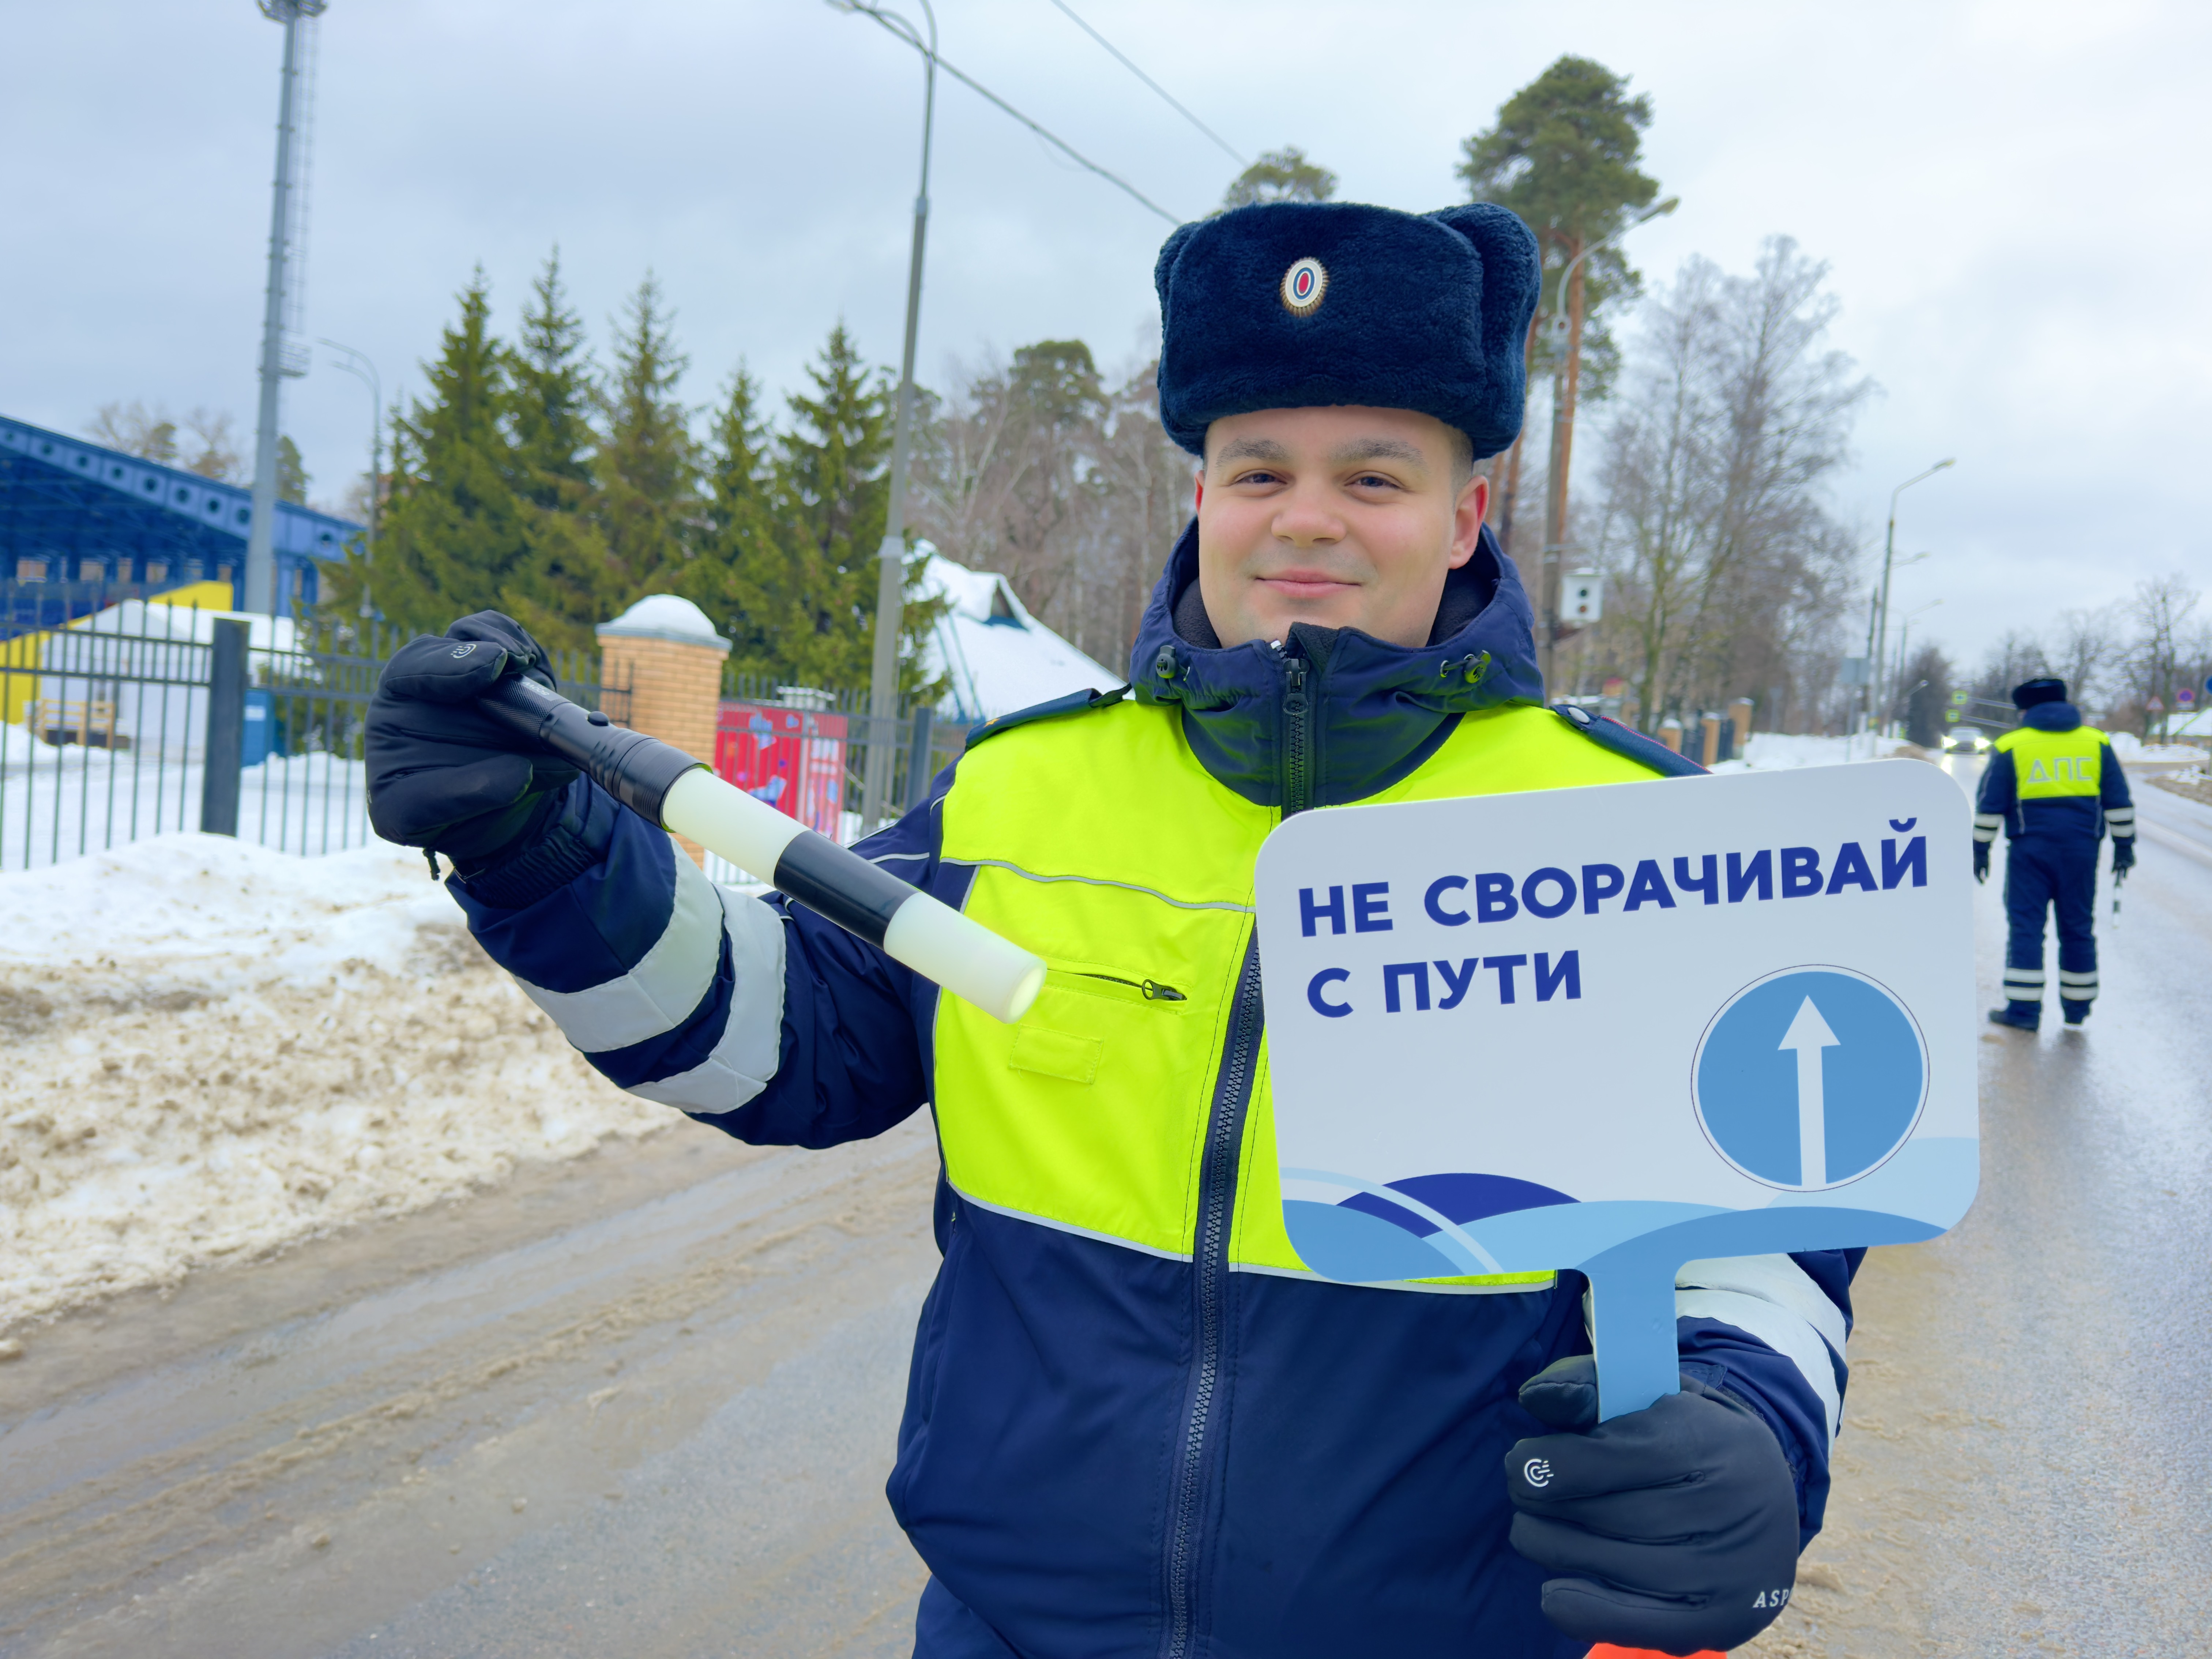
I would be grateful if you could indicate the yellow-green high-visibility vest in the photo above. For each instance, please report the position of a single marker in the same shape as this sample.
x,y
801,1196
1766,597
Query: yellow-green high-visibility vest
x,y
1100,842
2050,764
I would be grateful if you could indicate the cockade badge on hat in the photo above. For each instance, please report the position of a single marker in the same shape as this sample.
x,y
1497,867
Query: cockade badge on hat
x,y
1303,284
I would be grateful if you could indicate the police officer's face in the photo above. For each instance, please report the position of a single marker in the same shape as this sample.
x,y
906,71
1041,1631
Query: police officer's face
x,y
1345,518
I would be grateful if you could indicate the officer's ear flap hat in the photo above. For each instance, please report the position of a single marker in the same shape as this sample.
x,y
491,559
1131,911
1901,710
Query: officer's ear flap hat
x,y
2029,693
1298,305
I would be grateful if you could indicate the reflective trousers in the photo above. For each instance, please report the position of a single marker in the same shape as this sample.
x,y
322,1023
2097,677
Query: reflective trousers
x,y
2042,873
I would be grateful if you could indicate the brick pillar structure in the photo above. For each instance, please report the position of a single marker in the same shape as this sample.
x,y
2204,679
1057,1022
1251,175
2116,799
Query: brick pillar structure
x,y
670,657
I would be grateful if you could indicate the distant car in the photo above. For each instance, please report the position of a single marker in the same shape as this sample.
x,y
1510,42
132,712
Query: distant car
x,y
1966,740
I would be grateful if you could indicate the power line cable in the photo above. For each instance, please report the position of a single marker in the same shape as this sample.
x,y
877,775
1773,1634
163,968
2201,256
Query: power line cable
x,y
1049,137
1166,96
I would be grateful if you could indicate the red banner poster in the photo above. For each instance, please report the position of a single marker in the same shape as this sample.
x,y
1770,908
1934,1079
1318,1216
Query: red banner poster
x,y
792,758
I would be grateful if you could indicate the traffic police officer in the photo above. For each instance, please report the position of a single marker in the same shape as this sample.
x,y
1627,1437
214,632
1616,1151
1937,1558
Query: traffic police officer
x,y
2056,788
1136,1424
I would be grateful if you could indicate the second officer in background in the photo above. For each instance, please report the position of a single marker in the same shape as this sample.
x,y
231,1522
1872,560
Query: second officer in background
x,y
2054,787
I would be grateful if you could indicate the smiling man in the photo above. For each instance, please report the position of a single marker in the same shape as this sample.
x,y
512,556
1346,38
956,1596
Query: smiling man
x,y
1137,1426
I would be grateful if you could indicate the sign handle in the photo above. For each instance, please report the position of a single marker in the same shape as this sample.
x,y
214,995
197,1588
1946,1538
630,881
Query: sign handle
x,y
1632,1317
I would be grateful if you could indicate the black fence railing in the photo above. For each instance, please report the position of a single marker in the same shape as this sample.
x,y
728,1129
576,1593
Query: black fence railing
x,y
145,718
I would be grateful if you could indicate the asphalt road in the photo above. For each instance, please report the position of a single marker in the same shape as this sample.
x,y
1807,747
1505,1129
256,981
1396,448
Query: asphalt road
x,y
2027,1453
645,1403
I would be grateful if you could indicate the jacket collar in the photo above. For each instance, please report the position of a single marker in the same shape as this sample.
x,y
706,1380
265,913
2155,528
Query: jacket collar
x,y
1376,710
2051,717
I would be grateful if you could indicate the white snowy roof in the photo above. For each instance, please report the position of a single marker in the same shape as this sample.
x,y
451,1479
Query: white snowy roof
x,y
663,616
998,657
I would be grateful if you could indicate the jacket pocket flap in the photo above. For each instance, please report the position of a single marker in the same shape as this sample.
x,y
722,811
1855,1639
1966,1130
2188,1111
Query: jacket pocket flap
x,y
1055,1054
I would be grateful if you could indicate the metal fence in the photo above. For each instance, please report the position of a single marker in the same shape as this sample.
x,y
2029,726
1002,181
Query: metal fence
x,y
145,718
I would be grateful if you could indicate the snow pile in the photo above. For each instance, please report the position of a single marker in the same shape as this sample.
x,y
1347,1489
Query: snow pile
x,y
214,1049
1781,751
2133,750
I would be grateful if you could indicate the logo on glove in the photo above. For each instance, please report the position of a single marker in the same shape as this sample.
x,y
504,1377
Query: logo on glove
x,y
464,650
1536,1471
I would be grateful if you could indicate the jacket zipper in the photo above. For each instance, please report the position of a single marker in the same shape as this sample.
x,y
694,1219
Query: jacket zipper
x,y
1224,1137
1210,1263
1153,990
1297,738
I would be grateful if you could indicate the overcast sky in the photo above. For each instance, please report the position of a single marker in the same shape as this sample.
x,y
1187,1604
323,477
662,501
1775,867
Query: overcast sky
x,y
2011,196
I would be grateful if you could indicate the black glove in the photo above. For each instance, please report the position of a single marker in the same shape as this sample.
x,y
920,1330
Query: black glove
x,y
1981,860
1676,1527
441,774
2123,854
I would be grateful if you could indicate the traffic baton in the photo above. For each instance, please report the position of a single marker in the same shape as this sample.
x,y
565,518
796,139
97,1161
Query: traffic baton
x,y
668,788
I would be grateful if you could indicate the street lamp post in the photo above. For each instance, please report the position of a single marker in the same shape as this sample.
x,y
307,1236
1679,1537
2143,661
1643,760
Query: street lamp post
x,y
1879,644
357,364
261,533
890,554
1566,377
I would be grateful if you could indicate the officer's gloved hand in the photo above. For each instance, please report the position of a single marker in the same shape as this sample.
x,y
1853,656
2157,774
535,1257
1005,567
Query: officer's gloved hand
x,y
1982,860
2123,854
1673,1528
441,774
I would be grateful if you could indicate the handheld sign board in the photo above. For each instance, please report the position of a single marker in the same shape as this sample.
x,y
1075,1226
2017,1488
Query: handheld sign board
x,y
1622,1028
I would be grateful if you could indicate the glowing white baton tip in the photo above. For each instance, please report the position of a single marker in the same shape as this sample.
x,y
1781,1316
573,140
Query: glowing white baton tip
x,y
965,958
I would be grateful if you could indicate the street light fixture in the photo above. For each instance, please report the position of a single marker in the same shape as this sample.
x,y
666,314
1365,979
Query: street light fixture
x,y
890,554
1878,637
1565,376
357,364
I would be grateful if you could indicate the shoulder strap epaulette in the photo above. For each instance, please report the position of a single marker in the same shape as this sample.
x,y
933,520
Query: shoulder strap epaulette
x,y
1075,702
1612,734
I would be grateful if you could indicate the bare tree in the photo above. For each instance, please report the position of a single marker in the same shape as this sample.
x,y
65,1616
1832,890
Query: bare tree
x,y
2166,655
1035,469
1732,571
216,455
136,430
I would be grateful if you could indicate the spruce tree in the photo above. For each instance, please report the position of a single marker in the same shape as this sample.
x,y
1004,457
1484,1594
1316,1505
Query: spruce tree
x,y
452,535
648,504
741,577
566,585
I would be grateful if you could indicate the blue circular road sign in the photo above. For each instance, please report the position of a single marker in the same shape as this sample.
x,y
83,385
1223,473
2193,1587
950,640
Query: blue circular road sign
x,y
1810,1078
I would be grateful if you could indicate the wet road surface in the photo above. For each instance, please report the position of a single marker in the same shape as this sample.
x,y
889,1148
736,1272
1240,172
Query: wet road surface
x,y
2026,1456
646,1403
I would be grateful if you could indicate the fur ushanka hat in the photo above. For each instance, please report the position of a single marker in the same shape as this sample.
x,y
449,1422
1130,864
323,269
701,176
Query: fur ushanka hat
x,y
1294,305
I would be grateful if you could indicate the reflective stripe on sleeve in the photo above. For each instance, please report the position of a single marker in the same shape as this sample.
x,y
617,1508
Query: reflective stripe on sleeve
x,y
1986,825
744,1057
662,991
2121,821
1769,1297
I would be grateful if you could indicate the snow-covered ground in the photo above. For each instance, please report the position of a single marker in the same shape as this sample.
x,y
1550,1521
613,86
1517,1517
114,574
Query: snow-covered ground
x,y
1778,752
214,1049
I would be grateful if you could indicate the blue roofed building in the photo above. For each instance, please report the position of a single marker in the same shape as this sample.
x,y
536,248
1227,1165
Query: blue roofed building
x,y
83,527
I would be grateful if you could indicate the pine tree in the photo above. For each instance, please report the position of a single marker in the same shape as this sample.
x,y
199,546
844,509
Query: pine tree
x,y
1281,175
741,577
832,494
452,533
292,478
647,505
567,585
